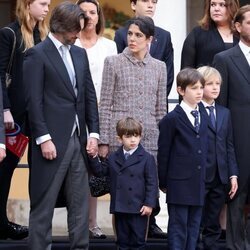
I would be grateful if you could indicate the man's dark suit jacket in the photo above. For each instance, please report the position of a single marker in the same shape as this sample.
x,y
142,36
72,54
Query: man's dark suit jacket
x,y
235,95
224,155
52,106
133,181
161,48
181,158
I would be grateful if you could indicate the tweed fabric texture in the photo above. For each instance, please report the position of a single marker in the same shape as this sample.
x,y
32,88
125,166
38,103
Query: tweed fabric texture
x,y
132,88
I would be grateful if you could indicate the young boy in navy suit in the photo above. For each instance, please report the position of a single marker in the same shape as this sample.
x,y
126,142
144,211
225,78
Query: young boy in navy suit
x,y
181,162
221,167
133,185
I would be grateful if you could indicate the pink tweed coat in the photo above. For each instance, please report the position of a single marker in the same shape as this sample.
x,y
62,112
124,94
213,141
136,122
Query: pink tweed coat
x,y
132,88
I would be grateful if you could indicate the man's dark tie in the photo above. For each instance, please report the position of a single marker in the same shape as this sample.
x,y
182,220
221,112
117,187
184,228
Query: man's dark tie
x,y
126,155
211,115
195,114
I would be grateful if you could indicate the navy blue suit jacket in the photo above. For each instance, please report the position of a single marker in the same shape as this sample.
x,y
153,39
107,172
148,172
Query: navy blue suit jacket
x,y
182,158
133,182
224,147
161,48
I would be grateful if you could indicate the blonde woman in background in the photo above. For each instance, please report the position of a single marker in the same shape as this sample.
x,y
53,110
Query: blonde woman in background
x,y
28,29
97,48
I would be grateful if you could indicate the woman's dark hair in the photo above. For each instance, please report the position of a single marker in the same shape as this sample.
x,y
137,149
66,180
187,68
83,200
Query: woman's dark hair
x,y
101,21
145,24
66,18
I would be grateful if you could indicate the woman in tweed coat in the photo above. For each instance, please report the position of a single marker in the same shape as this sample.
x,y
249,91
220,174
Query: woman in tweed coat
x,y
134,84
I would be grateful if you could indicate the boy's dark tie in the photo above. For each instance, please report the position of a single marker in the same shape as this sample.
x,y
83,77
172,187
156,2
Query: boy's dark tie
x,y
195,114
126,155
211,115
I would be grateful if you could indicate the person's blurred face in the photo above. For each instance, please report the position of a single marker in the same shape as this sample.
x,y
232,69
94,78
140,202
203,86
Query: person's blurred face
x,y
192,95
144,7
218,11
39,9
90,10
211,89
137,41
244,29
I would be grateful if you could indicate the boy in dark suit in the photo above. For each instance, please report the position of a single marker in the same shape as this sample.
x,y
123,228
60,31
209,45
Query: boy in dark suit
x,y
133,185
181,162
221,164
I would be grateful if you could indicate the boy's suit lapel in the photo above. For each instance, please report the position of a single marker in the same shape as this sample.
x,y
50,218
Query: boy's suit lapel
x,y
183,117
205,115
132,159
219,117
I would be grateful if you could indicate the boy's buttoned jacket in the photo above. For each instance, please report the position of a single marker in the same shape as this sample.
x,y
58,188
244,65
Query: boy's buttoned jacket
x,y
132,88
134,181
182,157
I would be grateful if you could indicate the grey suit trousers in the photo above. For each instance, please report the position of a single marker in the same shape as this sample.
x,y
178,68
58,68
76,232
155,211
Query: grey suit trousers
x,y
73,172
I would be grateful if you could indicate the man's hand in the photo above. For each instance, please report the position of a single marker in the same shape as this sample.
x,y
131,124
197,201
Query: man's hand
x,y
145,210
92,146
48,150
8,120
103,151
234,187
2,154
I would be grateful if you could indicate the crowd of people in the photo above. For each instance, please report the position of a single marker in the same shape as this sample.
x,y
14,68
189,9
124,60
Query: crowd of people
x,y
93,106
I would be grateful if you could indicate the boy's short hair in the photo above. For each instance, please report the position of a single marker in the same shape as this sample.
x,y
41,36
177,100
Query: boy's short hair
x,y
128,126
189,76
133,1
208,71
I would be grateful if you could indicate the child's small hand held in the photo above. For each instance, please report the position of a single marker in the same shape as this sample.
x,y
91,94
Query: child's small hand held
x,y
145,210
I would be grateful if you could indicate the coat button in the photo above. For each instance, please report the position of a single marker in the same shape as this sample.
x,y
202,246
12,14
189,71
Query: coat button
x,y
130,189
199,167
199,151
197,136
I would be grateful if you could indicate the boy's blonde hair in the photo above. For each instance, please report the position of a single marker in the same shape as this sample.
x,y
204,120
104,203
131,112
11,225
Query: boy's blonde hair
x,y
208,71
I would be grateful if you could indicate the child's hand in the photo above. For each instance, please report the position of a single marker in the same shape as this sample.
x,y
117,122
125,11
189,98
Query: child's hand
x,y
234,187
2,154
145,210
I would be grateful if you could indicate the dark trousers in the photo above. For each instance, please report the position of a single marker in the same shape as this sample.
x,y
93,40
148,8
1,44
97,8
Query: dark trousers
x,y
238,238
131,230
7,167
183,226
215,197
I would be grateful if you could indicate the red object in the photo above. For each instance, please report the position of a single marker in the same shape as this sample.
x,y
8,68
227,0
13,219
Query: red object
x,y
17,144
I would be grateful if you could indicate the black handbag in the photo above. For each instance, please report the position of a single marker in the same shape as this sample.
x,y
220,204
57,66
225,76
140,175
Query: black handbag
x,y
99,186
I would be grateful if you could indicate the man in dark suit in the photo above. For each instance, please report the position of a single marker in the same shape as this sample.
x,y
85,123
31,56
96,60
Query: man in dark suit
x,y
234,66
161,48
61,104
